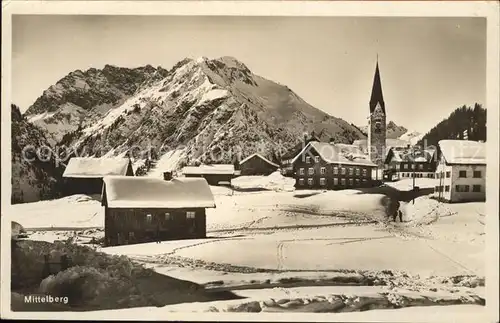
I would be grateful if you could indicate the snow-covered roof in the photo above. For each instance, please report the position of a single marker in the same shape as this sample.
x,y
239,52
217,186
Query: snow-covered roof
x,y
88,167
463,151
217,169
146,192
261,157
333,154
410,155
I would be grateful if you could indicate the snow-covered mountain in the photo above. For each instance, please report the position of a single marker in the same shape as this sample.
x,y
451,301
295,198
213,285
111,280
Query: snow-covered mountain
x,y
393,131
34,177
204,110
84,97
412,136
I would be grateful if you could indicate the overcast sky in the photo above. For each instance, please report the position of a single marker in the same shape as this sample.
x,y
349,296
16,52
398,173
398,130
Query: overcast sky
x,y
428,66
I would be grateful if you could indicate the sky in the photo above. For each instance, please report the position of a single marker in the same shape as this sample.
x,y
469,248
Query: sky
x,y
429,66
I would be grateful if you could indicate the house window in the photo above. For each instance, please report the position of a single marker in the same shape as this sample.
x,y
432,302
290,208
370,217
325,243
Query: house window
x,y
447,188
436,189
448,174
405,166
477,174
351,171
358,171
335,181
301,181
301,171
168,216
364,181
364,172
322,182
323,170
308,159
462,174
343,171
342,181
149,218
357,181
441,188
310,171
476,188
310,181
190,215
413,166
351,182
316,159
131,236
421,166
336,170
462,188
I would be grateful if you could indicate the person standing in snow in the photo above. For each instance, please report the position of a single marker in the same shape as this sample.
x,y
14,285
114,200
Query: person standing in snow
x,y
400,214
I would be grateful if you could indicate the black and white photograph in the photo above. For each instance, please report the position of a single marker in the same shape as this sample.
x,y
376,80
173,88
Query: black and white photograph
x,y
274,164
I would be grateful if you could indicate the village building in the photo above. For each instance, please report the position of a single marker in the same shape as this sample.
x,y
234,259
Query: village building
x,y
327,166
215,174
461,171
410,162
83,175
145,209
288,157
256,164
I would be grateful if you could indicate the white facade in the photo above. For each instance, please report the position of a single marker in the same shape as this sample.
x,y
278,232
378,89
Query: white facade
x,y
460,182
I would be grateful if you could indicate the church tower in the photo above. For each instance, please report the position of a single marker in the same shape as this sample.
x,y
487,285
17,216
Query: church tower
x,y
377,122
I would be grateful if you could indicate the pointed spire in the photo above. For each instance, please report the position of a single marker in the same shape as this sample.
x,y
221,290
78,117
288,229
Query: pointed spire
x,y
377,96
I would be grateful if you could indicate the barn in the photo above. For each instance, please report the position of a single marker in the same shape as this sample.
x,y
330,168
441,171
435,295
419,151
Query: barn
x,y
257,165
215,174
143,209
83,175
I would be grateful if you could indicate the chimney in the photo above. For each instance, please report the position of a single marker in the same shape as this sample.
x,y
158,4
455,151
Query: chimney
x,y
167,176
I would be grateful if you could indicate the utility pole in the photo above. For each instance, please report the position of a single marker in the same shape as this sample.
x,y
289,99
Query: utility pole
x,y
414,166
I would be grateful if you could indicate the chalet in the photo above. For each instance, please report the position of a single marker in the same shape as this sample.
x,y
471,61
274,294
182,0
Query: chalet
x,y
257,165
461,171
287,158
329,166
214,174
84,175
144,209
411,162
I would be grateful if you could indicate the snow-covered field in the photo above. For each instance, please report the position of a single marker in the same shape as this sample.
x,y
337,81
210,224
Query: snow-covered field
x,y
260,237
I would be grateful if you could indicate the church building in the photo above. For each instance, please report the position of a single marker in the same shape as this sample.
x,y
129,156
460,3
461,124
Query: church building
x,y
377,123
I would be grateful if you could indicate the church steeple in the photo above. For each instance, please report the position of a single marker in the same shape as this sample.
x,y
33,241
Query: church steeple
x,y
377,96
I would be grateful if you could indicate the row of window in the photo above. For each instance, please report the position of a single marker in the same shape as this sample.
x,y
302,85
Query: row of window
x,y
458,188
168,216
343,171
418,175
308,159
461,174
336,181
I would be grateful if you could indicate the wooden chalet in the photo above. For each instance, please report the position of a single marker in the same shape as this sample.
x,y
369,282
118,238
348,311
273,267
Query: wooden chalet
x,y
143,209
287,158
410,162
83,175
330,166
215,174
256,164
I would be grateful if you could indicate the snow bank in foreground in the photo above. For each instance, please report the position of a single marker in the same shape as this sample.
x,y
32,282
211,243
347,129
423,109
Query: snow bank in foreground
x,y
274,182
425,210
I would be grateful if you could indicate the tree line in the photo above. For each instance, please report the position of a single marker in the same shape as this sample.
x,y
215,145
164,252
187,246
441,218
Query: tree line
x,y
463,123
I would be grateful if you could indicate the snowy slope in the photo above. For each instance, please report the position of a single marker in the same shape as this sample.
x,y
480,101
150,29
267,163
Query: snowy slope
x,y
412,136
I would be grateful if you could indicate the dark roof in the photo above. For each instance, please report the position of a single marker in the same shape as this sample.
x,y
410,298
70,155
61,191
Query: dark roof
x,y
258,156
377,96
